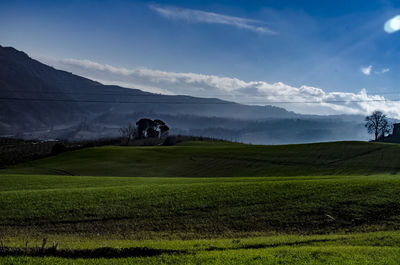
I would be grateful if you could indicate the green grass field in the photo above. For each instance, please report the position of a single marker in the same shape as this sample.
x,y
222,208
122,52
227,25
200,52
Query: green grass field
x,y
221,159
196,203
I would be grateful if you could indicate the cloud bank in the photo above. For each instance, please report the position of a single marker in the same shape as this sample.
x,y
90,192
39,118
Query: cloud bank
x,y
303,99
199,16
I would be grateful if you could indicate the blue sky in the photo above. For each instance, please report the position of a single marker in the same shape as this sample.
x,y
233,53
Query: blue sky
x,y
262,50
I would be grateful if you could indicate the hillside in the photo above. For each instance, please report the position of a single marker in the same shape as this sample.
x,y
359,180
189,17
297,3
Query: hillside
x,y
31,92
39,101
211,159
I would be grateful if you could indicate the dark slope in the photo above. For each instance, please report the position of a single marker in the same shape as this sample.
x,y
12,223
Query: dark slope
x,y
38,101
20,78
34,95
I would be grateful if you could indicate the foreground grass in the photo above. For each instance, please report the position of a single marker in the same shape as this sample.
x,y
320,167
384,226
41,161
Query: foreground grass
x,y
140,208
366,248
213,159
288,255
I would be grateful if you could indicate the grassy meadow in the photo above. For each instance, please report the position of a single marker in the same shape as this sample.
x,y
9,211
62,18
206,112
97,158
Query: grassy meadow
x,y
205,202
221,159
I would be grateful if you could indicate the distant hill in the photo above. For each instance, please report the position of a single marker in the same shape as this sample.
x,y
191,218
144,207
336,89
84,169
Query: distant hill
x,y
23,77
40,101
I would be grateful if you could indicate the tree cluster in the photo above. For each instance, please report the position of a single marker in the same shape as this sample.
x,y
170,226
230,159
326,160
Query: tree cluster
x,y
145,128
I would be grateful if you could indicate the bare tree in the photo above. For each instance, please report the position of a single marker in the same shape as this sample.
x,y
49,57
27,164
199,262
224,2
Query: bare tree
x,y
128,133
377,124
386,128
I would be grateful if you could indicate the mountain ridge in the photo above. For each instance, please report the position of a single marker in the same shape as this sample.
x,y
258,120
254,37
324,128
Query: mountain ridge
x,y
35,96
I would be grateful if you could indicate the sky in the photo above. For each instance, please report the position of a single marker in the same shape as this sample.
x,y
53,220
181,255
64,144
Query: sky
x,y
313,57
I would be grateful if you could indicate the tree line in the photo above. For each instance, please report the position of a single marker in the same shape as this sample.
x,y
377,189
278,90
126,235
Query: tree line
x,y
377,124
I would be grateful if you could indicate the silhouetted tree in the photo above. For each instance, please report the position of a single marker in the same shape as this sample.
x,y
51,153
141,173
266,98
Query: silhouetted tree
x,y
164,130
159,123
161,128
143,125
386,127
151,133
377,124
147,128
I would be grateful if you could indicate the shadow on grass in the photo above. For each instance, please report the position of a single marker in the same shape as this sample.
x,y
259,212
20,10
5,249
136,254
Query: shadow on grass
x,y
275,245
109,253
105,252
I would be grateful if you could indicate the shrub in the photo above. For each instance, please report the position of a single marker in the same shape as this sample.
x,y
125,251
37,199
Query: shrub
x,y
58,148
169,141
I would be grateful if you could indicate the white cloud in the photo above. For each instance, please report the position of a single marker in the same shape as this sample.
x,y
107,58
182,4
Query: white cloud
x,y
392,25
366,70
382,71
147,88
210,17
303,99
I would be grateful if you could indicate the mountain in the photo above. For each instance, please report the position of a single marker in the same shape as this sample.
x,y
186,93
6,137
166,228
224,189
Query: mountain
x,y
40,101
